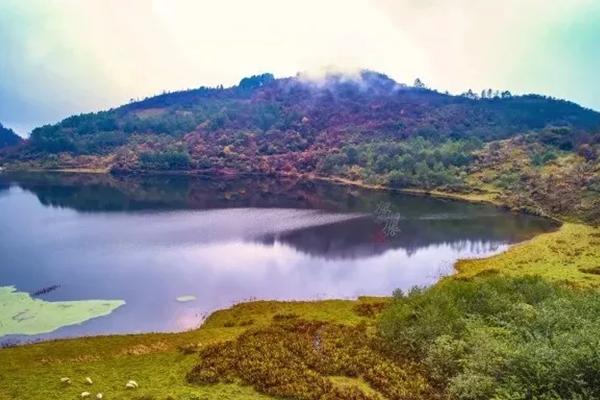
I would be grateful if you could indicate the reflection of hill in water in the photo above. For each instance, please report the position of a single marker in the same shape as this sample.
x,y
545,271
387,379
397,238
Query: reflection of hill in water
x,y
87,192
423,221
365,237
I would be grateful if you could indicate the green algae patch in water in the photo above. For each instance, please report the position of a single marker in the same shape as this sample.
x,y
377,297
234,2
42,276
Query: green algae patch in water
x,y
20,314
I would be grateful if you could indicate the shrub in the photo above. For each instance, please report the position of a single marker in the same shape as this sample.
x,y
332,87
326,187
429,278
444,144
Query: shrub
x,y
499,337
293,359
165,160
370,309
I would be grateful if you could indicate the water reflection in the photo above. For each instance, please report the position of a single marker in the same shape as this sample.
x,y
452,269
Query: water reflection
x,y
149,240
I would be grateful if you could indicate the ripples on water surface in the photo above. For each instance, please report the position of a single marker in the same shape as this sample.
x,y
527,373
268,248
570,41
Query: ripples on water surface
x,y
150,240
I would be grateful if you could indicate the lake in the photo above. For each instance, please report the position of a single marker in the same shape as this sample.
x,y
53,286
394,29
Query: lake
x,y
168,250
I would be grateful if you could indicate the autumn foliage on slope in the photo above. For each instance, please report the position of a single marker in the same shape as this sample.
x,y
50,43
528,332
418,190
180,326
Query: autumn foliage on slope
x,y
363,127
296,119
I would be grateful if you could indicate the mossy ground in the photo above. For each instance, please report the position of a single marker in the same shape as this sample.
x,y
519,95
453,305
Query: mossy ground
x,y
570,255
160,362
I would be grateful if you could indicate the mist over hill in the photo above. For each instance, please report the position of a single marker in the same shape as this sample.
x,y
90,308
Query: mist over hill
x,y
357,106
363,127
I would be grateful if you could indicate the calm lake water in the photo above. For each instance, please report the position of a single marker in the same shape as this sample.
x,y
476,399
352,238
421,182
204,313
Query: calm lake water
x,y
150,240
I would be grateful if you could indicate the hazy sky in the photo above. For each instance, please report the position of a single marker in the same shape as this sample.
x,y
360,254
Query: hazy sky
x,y
59,57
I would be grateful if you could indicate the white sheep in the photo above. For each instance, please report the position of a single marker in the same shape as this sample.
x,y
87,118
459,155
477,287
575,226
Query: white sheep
x,y
132,385
89,380
85,394
99,396
65,380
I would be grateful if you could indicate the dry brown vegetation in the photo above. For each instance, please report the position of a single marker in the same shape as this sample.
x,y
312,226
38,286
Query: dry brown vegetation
x,y
295,359
536,178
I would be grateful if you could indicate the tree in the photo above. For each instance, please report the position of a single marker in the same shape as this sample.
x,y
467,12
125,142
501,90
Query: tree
x,y
8,137
256,81
419,84
352,154
470,94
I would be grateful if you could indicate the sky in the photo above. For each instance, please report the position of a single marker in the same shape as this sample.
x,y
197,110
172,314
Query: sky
x,y
64,57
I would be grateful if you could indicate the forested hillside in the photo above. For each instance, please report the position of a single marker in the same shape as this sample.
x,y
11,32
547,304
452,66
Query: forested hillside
x,y
539,153
8,137
503,328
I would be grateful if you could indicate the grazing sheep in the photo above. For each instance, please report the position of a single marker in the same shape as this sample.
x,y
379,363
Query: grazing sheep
x,y
85,394
99,396
89,380
132,385
65,380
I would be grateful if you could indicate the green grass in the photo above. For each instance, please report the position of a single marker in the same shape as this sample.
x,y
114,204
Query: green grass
x,y
344,381
158,362
570,255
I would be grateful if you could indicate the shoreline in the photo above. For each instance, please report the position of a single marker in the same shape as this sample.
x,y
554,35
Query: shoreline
x,y
458,266
515,254
480,198
159,361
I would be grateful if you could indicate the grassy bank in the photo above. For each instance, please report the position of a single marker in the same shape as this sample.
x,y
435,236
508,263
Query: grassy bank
x,y
570,255
158,362
161,362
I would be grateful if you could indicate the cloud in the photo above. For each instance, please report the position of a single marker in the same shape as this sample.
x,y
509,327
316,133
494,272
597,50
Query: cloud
x,y
70,56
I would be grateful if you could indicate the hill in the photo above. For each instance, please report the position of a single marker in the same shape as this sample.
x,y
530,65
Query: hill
x,y
492,331
8,137
364,128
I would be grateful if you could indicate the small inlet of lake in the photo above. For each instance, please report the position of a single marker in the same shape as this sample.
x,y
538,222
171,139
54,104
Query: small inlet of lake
x,y
84,254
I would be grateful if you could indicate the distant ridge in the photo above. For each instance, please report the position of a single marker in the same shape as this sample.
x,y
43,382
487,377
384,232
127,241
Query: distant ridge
x,y
8,137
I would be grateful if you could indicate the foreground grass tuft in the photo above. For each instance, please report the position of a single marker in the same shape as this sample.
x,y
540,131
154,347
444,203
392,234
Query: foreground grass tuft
x,y
296,360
